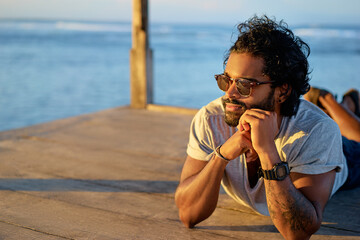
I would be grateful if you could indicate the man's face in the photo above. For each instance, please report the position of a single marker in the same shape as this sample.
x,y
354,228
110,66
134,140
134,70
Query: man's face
x,y
242,65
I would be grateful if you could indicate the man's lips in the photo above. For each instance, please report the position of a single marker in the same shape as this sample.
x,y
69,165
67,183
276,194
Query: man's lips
x,y
233,107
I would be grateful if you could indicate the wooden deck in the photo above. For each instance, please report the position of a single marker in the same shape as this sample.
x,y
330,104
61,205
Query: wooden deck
x,y
113,174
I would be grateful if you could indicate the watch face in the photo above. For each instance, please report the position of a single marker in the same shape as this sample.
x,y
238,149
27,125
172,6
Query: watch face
x,y
280,171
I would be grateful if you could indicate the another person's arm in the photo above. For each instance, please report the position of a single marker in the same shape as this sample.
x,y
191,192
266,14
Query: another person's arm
x,y
348,122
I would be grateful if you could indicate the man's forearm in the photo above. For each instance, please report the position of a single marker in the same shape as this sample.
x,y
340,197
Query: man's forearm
x,y
291,212
197,196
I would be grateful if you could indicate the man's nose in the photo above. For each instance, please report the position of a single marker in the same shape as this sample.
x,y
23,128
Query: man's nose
x,y
232,92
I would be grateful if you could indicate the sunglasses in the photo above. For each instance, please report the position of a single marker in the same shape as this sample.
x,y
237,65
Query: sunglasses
x,y
243,85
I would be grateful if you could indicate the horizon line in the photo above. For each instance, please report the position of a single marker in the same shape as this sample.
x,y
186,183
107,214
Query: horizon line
x,y
166,22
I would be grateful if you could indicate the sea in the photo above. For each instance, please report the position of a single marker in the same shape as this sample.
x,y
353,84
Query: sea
x,y
53,69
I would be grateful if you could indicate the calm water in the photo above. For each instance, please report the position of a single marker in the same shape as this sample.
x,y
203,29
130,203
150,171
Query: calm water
x,y
56,69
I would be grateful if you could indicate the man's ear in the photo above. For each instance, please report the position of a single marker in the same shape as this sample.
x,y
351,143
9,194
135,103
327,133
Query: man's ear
x,y
284,92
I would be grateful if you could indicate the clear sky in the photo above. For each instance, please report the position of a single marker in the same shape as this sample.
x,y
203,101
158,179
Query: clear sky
x,y
189,11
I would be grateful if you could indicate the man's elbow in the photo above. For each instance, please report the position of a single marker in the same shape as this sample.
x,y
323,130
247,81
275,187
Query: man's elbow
x,y
304,234
185,219
297,236
183,211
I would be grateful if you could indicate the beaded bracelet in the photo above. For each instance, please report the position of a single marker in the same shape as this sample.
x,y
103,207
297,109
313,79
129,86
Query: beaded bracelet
x,y
218,154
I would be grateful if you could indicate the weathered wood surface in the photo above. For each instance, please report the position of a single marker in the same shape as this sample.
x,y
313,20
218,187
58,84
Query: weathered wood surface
x,y
112,175
141,68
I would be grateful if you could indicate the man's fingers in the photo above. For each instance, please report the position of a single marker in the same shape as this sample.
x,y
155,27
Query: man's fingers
x,y
245,126
246,120
261,114
252,116
247,135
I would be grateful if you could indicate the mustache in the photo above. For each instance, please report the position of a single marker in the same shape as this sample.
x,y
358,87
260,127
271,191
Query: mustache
x,y
234,101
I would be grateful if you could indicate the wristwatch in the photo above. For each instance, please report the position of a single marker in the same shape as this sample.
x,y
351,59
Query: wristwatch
x,y
278,172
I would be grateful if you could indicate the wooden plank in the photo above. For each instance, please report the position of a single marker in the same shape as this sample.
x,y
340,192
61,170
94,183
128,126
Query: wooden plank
x,y
82,222
113,175
13,231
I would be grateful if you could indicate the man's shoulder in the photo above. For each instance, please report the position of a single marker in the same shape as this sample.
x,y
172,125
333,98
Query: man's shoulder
x,y
210,117
309,116
310,141
207,131
212,109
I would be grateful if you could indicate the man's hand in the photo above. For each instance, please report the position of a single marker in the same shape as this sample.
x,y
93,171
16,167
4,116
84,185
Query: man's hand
x,y
251,155
238,144
263,126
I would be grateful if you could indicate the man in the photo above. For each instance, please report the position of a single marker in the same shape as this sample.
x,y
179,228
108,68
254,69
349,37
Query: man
x,y
271,151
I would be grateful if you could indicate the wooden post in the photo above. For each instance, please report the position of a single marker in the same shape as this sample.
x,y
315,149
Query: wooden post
x,y
140,57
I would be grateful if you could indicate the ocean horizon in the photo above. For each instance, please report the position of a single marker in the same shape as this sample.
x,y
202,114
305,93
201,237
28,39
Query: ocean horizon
x,y
53,69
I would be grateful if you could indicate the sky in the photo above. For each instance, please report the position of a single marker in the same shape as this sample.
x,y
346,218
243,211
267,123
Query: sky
x,y
188,11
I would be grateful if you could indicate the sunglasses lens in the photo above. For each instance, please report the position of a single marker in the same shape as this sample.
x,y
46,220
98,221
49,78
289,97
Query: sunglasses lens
x,y
222,82
244,87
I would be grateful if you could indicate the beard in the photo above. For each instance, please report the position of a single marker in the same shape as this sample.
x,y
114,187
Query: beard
x,y
232,118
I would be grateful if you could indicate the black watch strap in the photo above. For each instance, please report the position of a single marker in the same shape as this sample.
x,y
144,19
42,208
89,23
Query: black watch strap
x,y
279,172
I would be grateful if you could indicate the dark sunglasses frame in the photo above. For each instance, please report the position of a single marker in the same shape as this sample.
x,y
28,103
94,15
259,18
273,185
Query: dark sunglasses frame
x,y
245,83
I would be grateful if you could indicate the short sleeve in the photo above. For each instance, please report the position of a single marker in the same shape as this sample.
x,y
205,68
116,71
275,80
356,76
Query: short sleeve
x,y
200,144
317,152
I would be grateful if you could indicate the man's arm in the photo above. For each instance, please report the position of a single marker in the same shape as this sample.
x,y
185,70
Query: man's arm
x,y
198,191
297,202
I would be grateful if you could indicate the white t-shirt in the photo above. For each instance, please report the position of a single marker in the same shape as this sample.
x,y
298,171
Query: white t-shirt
x,y
309,141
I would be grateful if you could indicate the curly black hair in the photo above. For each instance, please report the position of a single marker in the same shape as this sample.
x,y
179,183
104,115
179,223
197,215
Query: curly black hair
x,y
284,54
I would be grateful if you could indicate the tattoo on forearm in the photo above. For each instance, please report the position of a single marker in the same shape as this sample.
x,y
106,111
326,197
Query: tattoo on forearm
x,y
296,209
